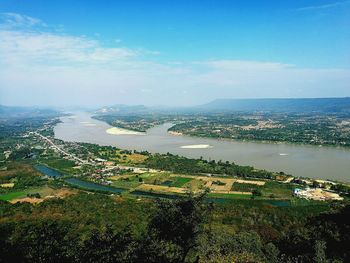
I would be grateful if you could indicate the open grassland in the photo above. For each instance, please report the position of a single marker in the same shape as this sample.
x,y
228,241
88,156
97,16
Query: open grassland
x,y
219,184
161,189
156,178
135,158
44,192
244,187
132,180
126,182
14,169
232,195
20,193
258,183
268,190
12,195
277,190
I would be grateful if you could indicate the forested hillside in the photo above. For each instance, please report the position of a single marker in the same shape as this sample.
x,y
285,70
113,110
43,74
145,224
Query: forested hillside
x,y
99,228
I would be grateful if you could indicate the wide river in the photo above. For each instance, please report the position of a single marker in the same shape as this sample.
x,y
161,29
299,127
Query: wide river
x,y
298,160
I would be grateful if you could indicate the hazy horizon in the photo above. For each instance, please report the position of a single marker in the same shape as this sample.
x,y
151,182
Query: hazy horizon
x,y
174,54
90,107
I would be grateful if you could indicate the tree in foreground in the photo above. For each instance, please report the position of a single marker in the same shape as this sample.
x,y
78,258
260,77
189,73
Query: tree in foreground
x,y
174,229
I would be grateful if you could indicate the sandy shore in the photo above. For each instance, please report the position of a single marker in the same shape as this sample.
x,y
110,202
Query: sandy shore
x,y
196,146
119,131
175,133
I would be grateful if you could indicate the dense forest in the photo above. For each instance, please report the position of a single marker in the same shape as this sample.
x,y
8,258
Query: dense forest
x,y
99,228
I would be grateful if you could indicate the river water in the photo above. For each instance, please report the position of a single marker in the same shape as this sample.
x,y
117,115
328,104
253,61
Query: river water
x,y
298,160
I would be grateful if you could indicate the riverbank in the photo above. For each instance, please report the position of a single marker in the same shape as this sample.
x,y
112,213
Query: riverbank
x,y
299,160
259,141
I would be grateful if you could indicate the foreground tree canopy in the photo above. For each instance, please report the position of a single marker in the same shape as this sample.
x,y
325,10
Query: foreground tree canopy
x,y
98,228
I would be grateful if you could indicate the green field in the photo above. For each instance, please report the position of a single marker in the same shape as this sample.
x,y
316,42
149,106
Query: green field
x,y
244,187
12,195
130,182
271,189
180,181
229,196
279,190
18,194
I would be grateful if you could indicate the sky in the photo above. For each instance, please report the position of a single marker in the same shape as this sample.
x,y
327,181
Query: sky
x,y
176,53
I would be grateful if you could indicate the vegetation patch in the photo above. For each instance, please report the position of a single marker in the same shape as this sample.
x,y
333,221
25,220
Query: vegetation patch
x,y
128,182
229,196
180,181
244,187
8,185
218,182
135,158
277,190
161,189
63,165
12,195
167,183
20,194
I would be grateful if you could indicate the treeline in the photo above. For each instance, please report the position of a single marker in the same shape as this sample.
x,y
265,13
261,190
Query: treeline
x,y
341,188
295,128
324,238
22,175
171,232
180,164
96,228
139,123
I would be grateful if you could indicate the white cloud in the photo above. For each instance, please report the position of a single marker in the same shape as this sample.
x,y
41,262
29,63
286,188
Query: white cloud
x,y
28,48
244,65
324,6
17,20
43,66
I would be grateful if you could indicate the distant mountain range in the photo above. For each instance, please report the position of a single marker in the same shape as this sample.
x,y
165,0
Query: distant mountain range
x,y
307,105
303,105
14,111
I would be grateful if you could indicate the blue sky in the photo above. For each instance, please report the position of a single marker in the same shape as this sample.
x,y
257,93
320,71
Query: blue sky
x,y
171,52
